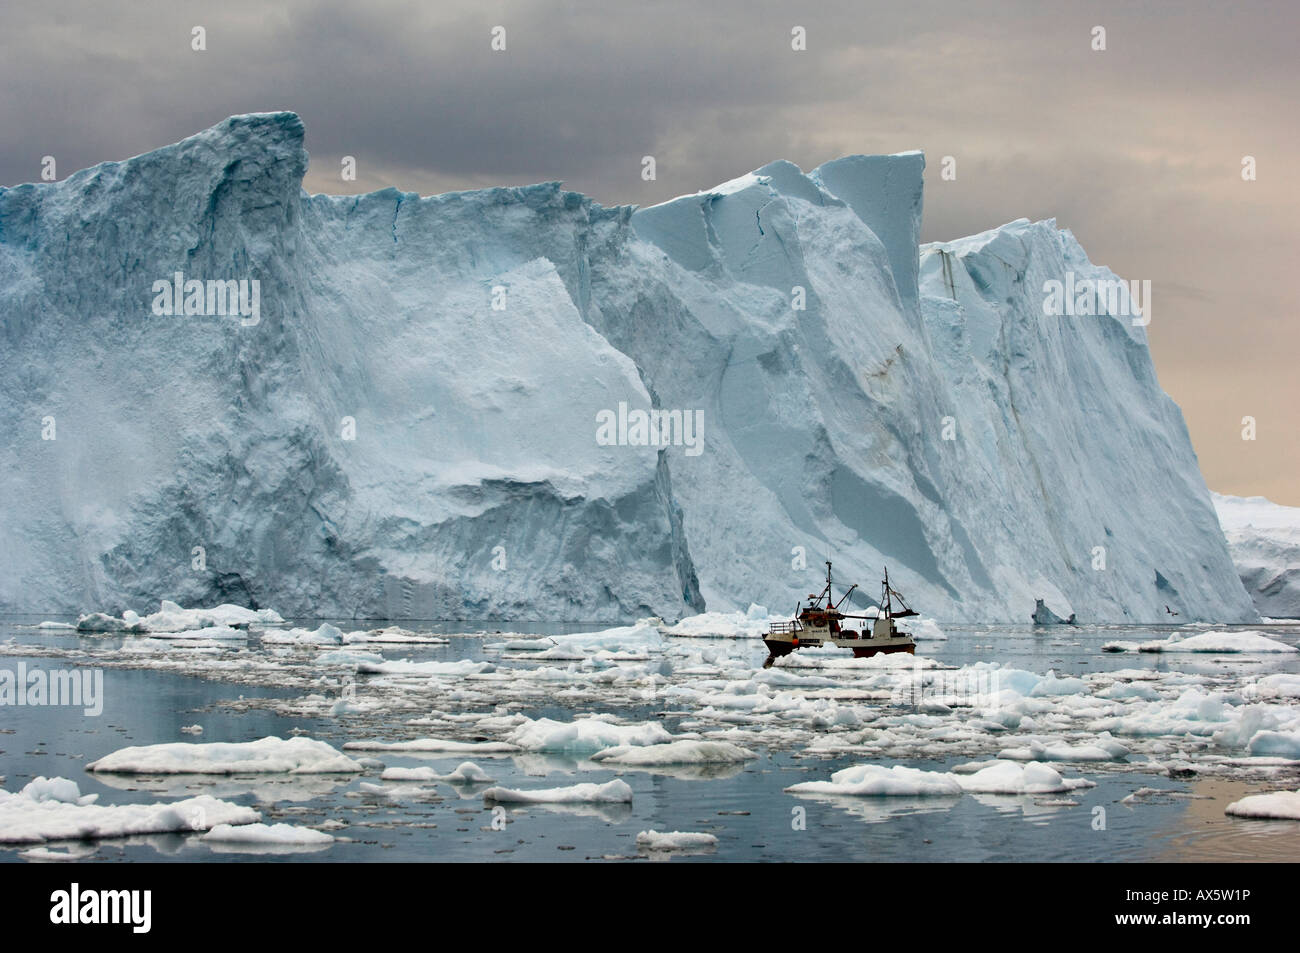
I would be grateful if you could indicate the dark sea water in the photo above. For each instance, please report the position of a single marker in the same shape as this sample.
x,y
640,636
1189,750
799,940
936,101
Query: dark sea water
x,y
745,807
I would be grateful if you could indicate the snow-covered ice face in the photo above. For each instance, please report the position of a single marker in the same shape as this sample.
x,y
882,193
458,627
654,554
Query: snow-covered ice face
x,y
656,427
700,385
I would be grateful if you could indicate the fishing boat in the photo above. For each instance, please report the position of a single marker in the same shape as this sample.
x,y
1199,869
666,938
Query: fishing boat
x,y
819,623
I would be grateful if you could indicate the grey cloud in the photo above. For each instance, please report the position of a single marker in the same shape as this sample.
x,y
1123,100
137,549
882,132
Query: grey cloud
x,y
1136,149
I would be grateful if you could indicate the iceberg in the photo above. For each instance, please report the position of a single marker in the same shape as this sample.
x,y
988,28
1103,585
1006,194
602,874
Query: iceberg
x,y
516,403
1264,540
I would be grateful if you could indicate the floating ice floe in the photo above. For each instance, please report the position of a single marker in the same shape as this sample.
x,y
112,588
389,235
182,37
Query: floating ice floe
x,y
926,630
434,745
993,777
1105,749
270,834
674,840
348,658
467,772
1224,643
723,625
585,735
327,634
1009,777
172,618
208,634
102,622
53,809
1280,805
1274,744
406,667
1194,712
675,752
410,774
267,755
873,780
396,635
166,645
631,642
395,791
612,792
1281,685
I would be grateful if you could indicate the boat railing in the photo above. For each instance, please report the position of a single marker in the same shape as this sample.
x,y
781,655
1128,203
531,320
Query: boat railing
x,y
782,628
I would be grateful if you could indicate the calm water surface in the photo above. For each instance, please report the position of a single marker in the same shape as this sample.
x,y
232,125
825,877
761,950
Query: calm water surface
x,y
746,808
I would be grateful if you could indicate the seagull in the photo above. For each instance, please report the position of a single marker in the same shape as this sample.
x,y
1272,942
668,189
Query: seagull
x,y
1170,611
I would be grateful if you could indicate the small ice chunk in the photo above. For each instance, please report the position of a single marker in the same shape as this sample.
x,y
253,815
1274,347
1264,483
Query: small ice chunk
x,y
612,792
266,834
1280,805
467,772
1009,777
674,840
585,735
873,780
676,752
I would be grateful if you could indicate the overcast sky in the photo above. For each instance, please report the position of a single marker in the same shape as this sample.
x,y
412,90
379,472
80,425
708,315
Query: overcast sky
x,y
1138,148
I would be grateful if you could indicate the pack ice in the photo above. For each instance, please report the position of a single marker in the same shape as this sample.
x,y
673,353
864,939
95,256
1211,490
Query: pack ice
x,y
406,424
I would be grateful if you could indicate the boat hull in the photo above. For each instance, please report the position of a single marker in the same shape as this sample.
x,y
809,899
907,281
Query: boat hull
x,y
867,651
779,647
862,647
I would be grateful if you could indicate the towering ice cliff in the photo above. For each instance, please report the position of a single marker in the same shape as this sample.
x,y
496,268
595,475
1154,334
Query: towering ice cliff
x,y
436,409
1264,539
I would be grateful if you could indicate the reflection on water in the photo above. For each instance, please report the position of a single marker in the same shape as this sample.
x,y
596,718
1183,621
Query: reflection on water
x,y
609,813
263,788
686,772
1204,833
265,850
875,810
1032,807
744,805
